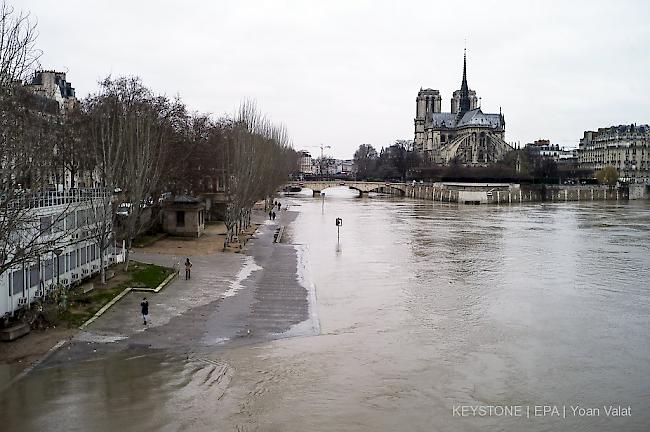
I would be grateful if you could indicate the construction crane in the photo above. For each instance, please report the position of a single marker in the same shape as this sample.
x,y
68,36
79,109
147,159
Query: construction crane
x,y
322,148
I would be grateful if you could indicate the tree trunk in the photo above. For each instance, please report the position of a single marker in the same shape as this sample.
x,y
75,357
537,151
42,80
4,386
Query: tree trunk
x,y
102,267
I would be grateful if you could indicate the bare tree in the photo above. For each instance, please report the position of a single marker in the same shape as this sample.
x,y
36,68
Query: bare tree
x,y
101,126
145,139
18,52
259,159
27,127
128,127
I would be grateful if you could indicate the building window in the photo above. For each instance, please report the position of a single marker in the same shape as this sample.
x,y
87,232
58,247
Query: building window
x,y
18,282
46,225
70,221
180,218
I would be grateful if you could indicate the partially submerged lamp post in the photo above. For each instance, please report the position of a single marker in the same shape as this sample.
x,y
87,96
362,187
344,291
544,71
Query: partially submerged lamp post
x,y
339,224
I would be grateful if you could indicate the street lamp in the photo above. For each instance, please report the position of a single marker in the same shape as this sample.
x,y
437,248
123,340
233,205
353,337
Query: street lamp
x,y
58,252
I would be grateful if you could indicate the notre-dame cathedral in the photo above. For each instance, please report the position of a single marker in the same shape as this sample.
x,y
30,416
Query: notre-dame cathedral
x,y
466,134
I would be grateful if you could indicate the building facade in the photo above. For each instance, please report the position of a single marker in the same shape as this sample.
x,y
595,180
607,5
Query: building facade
x,y
344,167
625,147
68,223
545,149
53,86
465,135
305,163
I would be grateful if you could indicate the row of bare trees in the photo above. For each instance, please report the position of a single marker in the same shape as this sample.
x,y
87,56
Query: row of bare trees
x,y
126,139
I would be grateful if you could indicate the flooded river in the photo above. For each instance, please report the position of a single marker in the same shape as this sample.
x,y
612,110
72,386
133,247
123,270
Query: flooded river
x,y
539,313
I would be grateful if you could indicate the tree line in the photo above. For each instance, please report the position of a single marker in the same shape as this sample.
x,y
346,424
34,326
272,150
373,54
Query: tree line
x,y
127,140
390,163
402,162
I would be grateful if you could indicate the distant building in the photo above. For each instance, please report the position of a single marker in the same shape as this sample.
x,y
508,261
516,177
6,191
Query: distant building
x,y
465,134
625,147
545,149
305,163
344,167
53,85
58,95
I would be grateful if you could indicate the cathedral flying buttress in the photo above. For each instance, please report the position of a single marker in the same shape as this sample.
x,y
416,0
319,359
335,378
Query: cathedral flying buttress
x,y
465,135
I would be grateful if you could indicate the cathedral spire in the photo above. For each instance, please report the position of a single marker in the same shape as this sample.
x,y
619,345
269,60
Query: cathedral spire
x,y
464,88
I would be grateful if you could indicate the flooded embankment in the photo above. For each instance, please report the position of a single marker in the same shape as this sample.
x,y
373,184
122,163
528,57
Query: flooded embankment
x,y
421,308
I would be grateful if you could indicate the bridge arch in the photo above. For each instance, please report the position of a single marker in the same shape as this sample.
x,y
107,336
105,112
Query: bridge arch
x,y
362,187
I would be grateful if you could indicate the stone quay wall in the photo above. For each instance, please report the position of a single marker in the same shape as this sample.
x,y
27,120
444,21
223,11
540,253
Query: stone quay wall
x,y
487,193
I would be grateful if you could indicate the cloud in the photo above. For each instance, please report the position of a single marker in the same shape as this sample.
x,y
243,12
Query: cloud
x,y
345,73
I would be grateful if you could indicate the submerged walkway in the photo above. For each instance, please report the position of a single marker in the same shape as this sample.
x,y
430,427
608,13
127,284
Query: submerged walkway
x,y
231,299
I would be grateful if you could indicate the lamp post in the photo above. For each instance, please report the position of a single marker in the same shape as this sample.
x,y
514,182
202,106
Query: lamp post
x,y
58,252
64,297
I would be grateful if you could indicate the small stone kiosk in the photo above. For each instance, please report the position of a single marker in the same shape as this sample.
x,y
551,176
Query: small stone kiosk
x,y
184,216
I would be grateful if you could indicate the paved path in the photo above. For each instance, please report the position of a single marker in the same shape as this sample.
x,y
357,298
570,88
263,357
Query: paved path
x,y
230,299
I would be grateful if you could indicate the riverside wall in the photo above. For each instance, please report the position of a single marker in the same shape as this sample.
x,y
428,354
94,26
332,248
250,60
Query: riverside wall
x,y
495,193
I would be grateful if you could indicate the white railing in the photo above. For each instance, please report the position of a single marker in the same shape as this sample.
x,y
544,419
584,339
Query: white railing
x,y
25,199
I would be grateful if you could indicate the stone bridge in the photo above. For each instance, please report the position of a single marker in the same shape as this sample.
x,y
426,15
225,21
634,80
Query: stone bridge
x,y
363,187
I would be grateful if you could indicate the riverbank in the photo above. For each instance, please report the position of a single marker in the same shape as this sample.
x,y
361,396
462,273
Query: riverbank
x,y
506,193
231,299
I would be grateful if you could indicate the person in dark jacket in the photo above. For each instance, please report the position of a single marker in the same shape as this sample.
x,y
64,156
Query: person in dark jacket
x,y
144,306
188,268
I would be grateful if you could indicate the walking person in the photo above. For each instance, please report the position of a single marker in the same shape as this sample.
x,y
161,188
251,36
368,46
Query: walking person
x,y
144,307
279,205
188,268
271,214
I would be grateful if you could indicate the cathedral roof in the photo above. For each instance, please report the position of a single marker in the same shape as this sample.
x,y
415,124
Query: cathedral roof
x,y
474,117
443,120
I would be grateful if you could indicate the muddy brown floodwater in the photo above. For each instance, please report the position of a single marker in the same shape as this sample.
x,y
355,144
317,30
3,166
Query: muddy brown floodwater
x,y
421,309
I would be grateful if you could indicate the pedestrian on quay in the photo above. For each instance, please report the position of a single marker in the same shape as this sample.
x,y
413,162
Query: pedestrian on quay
x,y
188,268
279,205
271,214
144,307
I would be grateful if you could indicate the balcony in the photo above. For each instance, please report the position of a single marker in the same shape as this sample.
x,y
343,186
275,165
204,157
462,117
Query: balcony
x,y
35,200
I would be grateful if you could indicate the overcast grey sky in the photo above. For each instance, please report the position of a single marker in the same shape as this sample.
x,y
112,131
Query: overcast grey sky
x,y
344,73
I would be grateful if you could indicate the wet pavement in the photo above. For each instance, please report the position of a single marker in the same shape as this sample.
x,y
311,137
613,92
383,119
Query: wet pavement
x,y
230,299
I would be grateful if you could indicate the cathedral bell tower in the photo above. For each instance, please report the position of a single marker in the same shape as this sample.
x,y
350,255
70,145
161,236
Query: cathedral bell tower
x,y
427,103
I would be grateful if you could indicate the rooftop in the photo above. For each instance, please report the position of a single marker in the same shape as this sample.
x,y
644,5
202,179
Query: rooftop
x,y
474,117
